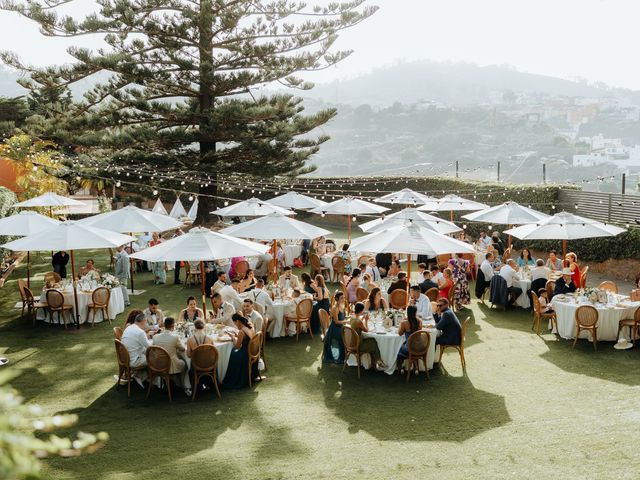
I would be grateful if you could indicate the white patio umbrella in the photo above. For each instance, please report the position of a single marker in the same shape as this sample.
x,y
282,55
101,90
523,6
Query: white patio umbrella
x,y
296,201
254,207
50,200
508,213
23,224
177,211
406,196
275,227
414,216
410,239
193,211
159,208
451,203
70,236
349,206
131,219
200,245
565,226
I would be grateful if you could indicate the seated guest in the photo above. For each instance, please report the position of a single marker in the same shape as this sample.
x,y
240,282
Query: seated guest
x,y
394,269
447,285
237,375
525,258
262,266
367,283
368,345
540,271
487,267
221,312
553,262
307,283
288,281
375,302
154,316
372,270
427,284
247,283
89,268
352,285
483,240
220,284
447,324
232,269
510,273
346,257
231,294
421,269
571,261
401,283
333,346
136,342
168,340
496,262
290,307
411,325
260,295
437,276
363,268
497,243
564,284
198,338
543,298
252,315
383,261
321,301
192,312
421,302
131,318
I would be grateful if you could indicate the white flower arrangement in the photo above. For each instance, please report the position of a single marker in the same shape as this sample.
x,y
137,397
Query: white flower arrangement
x,y
110,281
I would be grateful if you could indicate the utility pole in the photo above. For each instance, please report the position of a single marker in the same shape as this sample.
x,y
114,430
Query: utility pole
x,y
457,169
624,183
498,171
544,173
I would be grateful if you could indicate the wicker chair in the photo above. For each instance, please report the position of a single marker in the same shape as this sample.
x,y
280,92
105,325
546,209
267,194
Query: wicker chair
x,y
124,368
432,294
22,285
159,366
459,347
550,287
99,302
506,255
351,341
325,320
539,315
204,363
316,266
632,323
117,333
398,299
192,275
55,303
265,327
32,304
418,344
337,263
361,294
363,259
587,319
608,286
255,347
584,274
303,315
51,278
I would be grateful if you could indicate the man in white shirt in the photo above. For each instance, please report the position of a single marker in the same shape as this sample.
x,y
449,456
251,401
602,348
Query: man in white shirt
x,y
487,267
290,310
540,271
252,315
259,295
437,276
136,341
421,302
170,341
483,240
288,280
372,270
220,283
153,315
229,293
221,312
510,273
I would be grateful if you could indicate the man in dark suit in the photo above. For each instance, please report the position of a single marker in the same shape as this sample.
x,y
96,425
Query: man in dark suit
x,y
59,263
401,284
564,284
383,262
448,325
427,283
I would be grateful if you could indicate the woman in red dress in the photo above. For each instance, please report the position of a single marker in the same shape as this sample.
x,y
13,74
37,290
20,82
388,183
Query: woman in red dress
x,y
448,284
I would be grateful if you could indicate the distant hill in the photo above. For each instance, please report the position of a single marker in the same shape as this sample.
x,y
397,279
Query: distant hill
x,y
453,84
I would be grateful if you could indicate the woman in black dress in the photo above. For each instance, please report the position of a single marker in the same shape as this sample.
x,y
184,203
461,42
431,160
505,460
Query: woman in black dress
x,y
237,375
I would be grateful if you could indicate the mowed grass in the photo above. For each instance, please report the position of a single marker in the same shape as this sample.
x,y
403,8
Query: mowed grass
x,y
527,407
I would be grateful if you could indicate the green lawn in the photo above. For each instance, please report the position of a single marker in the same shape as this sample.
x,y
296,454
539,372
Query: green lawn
x,y
527,407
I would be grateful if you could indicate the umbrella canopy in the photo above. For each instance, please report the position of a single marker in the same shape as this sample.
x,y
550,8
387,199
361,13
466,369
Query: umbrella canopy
x,y
132,219
452,203
406,196
178,211
414,216
565,226
508,213
349,206
254,207
69,235
159,208
410,239
296,201
26,223
193,211
200,244
275,226
50,199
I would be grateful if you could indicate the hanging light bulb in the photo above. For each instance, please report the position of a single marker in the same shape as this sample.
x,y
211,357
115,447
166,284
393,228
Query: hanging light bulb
x,y
155,192
226,203
354,218
322,214
490,227
191,198
464,227
118,183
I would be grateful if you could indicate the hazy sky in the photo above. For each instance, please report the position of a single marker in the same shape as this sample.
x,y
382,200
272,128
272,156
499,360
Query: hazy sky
x,y
592,39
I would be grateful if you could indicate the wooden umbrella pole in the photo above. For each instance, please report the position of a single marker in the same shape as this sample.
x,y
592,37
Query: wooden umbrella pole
x,y
75,293
509,239
204,295
28,271
451,215
349,229
275,262
564,249
408,272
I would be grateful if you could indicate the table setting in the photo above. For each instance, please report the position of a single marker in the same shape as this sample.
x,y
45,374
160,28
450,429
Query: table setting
x,y
222,340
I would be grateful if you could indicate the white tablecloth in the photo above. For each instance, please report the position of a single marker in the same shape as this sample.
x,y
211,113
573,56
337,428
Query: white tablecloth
x,y
389,345
291,252
224,354
523,300
116,305
276,313
608,318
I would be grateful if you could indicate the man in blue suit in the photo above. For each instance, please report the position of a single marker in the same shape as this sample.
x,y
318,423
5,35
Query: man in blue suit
x,y
448,325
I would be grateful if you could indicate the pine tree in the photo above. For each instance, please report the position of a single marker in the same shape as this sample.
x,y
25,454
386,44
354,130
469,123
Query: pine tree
x,y
179,79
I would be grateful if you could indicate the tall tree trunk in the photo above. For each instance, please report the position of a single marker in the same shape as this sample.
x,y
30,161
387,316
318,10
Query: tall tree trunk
x,y
207,143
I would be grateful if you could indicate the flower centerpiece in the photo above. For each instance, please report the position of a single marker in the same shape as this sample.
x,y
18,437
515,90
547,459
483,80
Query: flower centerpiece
x,y
110,281
590,293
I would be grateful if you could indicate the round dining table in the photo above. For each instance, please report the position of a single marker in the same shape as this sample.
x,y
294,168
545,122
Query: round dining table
x,y
116,304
